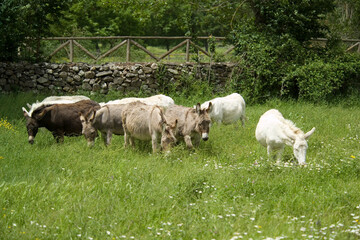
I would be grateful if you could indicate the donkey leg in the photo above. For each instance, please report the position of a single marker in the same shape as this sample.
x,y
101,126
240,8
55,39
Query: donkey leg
x,y
103,136
108,137
243,121
279,154
154,144
270,152
59,137
126,138
188,142
132,141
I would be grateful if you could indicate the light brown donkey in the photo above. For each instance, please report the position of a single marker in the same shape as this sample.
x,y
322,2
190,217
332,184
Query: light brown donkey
x,y
145,123
191,123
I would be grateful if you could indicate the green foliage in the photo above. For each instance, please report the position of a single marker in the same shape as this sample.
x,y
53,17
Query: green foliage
x,y
21,19
9,43
264,60
272,66
322,80
186,85
345,20
97,18
301,19
317,80
276,58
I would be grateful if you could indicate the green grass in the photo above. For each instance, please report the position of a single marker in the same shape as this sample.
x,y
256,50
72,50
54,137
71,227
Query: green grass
x,y
225,189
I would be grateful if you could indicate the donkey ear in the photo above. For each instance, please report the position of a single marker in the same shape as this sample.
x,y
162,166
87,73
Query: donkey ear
x,y
163,124
309,133
26,114
92,114
175,124
82,118
210,108
198,108
43,113
88,116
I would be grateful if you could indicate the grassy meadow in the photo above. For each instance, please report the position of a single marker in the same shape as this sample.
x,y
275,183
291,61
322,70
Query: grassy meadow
x,y
225,189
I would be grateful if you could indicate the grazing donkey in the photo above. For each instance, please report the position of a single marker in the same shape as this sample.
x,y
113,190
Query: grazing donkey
x,y
228,109
107,120
145,122
60,119
192,123
274,132
53,100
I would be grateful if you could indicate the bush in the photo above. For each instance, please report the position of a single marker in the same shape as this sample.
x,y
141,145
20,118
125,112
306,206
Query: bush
x,y
187,85
317,80
322,80
264,60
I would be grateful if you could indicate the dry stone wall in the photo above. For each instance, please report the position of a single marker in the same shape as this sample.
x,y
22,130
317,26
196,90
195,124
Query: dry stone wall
x,y
72,77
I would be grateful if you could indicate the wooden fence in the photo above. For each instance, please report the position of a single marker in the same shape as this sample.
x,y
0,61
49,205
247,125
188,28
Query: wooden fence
x,y
71,42
352,44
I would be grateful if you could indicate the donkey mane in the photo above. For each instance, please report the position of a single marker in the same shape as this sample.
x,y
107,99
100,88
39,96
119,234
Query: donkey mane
x,y
288,125
37,109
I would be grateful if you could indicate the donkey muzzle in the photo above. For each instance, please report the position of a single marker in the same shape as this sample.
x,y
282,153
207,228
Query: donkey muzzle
x,y
205,136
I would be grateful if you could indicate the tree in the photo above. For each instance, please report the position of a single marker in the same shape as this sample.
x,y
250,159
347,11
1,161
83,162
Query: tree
x,y
21,19
301,19
274,40
99,18
10,29
345,20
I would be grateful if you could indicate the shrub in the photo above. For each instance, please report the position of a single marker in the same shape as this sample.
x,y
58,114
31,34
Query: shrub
x,y
264,60
317,80
322,80
187,85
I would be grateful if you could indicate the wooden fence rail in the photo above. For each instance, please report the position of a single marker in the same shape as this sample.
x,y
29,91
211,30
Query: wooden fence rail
x,y
350,43
70,42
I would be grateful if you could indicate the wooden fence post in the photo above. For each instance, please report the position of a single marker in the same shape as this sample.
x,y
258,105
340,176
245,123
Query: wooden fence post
x,y
71,53
128,50
187,50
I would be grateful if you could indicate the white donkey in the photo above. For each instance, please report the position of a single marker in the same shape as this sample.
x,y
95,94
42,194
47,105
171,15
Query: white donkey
x,y
274,131
158,100
228,109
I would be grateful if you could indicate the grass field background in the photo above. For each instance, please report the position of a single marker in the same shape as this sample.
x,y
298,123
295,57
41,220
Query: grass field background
x,y
225,189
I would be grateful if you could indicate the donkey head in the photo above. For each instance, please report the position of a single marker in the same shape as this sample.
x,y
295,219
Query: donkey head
x,y
203,121
300,146
33,122
168,135
88,129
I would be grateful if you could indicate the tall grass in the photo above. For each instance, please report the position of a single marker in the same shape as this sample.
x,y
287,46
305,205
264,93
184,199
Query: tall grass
x,y
225,189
